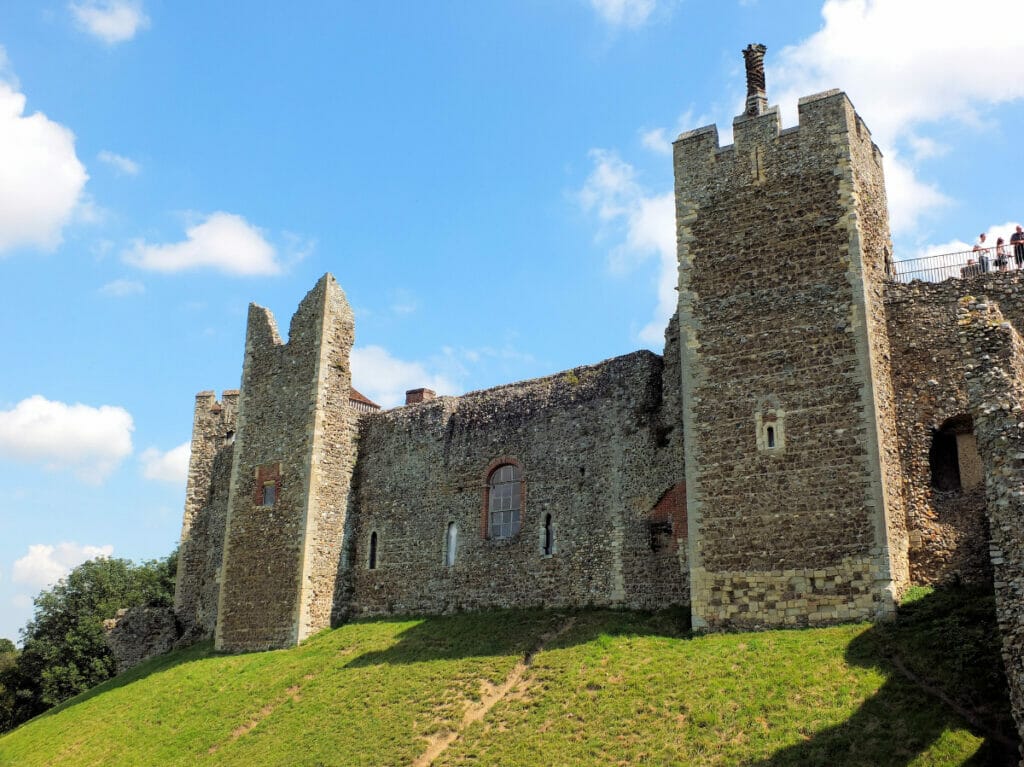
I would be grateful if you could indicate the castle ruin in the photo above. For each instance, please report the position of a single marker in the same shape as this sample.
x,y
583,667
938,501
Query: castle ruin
x,y
816,437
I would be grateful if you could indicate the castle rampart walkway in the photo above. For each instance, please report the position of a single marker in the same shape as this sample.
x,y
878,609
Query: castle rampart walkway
x,y
958,265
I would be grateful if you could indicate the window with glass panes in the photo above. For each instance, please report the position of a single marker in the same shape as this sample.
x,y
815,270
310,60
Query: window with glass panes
x,y
503,502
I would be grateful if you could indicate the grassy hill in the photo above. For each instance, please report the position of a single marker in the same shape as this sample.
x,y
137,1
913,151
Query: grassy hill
x,y
558,688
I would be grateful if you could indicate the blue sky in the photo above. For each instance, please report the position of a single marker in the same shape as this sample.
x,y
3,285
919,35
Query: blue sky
x,y
489,182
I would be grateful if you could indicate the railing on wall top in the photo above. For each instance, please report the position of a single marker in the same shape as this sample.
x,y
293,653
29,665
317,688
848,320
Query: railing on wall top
x,y
960,265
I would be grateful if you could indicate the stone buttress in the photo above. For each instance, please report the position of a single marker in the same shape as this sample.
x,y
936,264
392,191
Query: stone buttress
x,y
293,459
794,501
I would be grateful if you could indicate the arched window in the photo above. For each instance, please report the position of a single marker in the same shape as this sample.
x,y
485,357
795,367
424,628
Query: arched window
x,y
549,537
451,544
373,551
503,502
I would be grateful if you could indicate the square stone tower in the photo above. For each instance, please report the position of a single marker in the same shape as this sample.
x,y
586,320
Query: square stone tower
x,y
294,454
794,503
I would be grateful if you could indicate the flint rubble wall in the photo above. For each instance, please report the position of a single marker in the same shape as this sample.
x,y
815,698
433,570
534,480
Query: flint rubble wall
x,y
594,454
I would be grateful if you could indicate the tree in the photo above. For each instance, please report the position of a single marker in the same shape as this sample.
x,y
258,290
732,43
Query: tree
x,y
63,649
8,658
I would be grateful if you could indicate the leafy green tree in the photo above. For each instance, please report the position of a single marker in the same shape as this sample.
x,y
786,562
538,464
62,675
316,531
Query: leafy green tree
x,y
8,658
63,649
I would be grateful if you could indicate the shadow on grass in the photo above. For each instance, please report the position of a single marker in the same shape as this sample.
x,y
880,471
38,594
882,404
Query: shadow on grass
x,y
505,632
943,647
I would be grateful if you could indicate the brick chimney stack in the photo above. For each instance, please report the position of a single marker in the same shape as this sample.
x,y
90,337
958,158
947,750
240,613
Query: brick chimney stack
x,y
419,395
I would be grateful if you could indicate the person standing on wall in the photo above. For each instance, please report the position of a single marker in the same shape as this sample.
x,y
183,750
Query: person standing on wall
x,y
1001,259
982,251
1017,240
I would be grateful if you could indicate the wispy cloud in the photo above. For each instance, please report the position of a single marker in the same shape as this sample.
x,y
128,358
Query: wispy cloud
x,y
120,163
656,140
111,21
91,441
385,378
223,241
122,287
166,466
403,302
642,222
624,13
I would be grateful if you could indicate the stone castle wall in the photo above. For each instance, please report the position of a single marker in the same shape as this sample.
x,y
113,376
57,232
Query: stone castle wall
x,y
281,559
206,500
993,353
594,455
948,530
789,492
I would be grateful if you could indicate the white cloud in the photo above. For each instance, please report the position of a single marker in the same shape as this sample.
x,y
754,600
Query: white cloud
x,y
403,302
905,64
170,466
41,178
385,379
924,148
645,224
627,13
123,287
120,163
44,565
992,234
223,241
909,198
112,21
656,141
91,441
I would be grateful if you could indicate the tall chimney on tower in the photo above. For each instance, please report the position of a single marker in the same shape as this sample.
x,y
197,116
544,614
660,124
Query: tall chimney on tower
x,y
757,98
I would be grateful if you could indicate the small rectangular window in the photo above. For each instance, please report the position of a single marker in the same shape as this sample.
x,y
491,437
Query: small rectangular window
x,y
269,493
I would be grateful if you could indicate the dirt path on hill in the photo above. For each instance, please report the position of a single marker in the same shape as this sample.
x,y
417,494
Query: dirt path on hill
x,y
492,695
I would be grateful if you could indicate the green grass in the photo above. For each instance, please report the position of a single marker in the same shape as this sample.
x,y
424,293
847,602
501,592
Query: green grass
x,y
612,688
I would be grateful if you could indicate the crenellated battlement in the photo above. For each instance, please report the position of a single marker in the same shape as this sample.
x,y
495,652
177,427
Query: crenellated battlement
x,y
769,151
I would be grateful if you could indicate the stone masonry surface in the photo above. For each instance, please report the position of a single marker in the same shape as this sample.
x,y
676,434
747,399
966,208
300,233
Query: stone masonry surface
x,y
994,369
281,559
587,443
780,305
206,502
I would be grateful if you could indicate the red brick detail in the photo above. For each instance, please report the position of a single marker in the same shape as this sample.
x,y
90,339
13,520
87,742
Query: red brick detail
x,y
497,463
414,396
268,472
671,508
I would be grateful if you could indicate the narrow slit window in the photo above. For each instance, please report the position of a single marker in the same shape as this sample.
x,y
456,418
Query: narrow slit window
x,y
373,550
451,544
770,431
549,536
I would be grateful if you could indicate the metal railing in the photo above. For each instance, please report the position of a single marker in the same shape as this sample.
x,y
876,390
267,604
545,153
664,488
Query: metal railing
x,y
960,265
